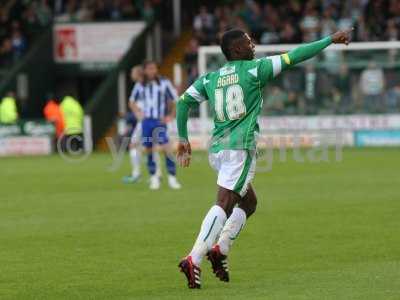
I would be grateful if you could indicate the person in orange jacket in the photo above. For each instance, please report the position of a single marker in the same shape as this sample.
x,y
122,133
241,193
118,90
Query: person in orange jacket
x,y
52,113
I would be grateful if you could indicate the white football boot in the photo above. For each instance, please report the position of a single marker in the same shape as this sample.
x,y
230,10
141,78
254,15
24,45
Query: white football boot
x,y
154,182
173,183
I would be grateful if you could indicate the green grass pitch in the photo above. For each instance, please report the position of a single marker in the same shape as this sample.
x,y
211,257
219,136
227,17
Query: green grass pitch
x,y
326,230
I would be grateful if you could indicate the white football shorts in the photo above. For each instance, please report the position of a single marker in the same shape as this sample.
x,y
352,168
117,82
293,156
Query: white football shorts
x,y
235,168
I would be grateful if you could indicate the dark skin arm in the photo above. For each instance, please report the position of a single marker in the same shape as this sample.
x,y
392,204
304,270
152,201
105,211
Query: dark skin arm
x,y
342,36
245,49
227,199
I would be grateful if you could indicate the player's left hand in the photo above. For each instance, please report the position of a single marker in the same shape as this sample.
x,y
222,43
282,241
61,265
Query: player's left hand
x,y
342,36
184,153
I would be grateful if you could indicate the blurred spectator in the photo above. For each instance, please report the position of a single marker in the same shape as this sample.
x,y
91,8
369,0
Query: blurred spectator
x,y
147,11
328,24
115,10
203,25
276,22
293,83
276,101
376,14
252,16
293,103
270,34
44,13
289,35
393,99
104,10
21,21
342,90
53,114
6,53
101,11
310,23
372,82
345,21
72,113
392,30
190,60
18,42
293,21
30,19
84,13
8,109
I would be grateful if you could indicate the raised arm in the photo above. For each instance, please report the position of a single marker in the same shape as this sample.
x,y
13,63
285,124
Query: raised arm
x,y
271,66
307,51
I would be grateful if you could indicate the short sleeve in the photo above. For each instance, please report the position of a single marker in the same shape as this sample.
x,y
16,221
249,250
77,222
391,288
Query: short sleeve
x,y
197,91
270,67
135,94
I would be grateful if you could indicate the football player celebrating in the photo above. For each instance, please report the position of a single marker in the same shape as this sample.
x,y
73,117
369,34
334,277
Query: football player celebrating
x,y
234,93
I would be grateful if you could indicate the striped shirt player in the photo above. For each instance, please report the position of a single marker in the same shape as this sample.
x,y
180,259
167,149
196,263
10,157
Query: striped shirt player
x,y
153,97
132,129
155,100
234,94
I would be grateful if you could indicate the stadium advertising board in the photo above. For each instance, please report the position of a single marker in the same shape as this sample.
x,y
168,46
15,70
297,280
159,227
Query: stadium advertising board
x,y
94,42
377,138
307,131
350,122
26,138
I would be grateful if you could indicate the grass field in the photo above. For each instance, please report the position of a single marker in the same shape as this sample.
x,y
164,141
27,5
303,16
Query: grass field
x,y
322,231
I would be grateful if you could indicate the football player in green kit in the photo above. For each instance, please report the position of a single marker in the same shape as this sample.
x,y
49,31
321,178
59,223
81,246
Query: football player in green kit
x,y
234,93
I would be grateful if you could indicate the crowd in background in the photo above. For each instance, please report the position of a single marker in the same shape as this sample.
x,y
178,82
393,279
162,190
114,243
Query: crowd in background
x,y
294,21
104,10
268,22
20,20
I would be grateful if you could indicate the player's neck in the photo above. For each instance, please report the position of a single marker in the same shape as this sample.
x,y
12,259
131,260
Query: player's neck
x,y
236,59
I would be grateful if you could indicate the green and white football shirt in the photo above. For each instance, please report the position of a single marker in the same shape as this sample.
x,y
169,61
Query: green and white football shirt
x,y
234,93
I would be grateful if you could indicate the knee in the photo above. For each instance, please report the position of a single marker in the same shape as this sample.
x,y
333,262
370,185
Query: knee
x,y
249,206
227,205
252,208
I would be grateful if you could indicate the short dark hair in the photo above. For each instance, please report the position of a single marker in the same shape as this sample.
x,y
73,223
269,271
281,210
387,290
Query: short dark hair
x,y
148,62
228,38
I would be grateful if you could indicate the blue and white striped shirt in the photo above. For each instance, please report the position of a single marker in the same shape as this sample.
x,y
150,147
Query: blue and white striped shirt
x,y
153,97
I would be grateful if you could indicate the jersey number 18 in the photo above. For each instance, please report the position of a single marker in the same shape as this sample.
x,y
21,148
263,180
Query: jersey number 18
x,y
235,107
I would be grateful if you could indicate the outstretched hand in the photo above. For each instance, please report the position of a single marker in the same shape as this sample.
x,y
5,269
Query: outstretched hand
x,y
342,36
184,153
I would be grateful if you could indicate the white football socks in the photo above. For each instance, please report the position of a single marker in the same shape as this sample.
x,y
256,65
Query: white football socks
x,y
231,230
157,160
134,154
210,229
